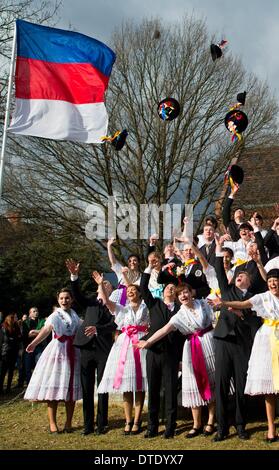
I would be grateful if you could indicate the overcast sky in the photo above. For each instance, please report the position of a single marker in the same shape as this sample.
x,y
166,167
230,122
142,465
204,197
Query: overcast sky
x,y
251,26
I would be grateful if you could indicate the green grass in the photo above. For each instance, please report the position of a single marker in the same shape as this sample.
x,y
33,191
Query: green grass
x,y
24,425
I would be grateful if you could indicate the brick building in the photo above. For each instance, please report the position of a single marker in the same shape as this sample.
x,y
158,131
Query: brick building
x,y
260,188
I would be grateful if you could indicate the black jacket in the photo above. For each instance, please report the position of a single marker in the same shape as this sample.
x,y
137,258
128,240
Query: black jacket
x,y
258,285
211,256
229,324
97,315
159,317
195,278
231,225
271,241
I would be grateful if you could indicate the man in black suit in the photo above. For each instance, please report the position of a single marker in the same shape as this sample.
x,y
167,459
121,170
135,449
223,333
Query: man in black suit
x,y
162,358
233,336
209,248
238,216
94,339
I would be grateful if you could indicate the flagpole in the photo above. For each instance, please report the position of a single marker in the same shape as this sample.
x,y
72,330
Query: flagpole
x,y
7,113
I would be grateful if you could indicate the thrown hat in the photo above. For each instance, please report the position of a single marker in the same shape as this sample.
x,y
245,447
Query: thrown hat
x,y
236,122
273,273
234,175
216,49
168,109
241,97
117,140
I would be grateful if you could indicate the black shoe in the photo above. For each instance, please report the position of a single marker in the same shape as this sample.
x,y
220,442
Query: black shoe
x,y
151,434
100,431
194,432
208,433
85,432
269,440
242,433
136,429
68,430
128,431
219,437
168,434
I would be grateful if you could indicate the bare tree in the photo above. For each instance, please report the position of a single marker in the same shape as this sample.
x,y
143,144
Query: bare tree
x,y
162,162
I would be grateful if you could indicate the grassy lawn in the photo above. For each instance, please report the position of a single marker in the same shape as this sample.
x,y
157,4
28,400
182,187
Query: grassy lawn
x,y
24,425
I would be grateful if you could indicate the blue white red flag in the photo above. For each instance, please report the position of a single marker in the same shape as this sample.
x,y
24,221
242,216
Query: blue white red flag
x,y
60,82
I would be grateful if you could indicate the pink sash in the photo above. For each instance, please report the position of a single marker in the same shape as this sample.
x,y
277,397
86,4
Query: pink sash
x,y
123,298
131,333
71,356
199,363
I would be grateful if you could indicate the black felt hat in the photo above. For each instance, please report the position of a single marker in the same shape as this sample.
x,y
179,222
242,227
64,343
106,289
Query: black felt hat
x,y
216,51
236,174
168,109
273,273
119,141
241,97
236,120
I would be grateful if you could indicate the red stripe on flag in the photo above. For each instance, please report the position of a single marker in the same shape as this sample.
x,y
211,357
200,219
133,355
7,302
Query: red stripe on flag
x,y
75,83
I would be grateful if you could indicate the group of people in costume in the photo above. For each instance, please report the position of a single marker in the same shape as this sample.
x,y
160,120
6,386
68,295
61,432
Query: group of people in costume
x,y
209,311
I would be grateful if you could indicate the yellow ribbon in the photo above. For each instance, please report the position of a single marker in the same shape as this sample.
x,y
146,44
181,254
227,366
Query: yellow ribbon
x,y
216,292
240,261
274,344
110,138
189,261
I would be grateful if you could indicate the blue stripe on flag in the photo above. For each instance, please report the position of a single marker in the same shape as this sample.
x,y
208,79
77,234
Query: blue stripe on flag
x,y
57,45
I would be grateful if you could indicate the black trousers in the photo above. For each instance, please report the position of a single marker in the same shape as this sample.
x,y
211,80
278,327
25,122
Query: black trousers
x,y
7,364
162,369
90,362
231,361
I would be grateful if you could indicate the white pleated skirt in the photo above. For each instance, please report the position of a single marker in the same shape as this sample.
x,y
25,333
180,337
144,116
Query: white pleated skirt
x,y
129,378
190,393
259,376
51,377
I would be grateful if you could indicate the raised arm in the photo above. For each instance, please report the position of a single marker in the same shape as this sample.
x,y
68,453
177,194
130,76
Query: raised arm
x,y
159,334
144,290
73,268
98,278
200,256
219,267
111,255
226,213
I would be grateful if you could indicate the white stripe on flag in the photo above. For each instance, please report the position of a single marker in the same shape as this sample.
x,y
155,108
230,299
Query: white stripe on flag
x,y
53,119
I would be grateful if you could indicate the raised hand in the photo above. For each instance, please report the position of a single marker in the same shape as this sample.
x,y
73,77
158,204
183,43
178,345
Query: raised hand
x,y
234,189
125,270
110,241
97,277
72,266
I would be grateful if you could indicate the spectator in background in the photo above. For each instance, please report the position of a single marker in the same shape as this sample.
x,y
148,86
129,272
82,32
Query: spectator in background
x,y
20,357
10,337
30,329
